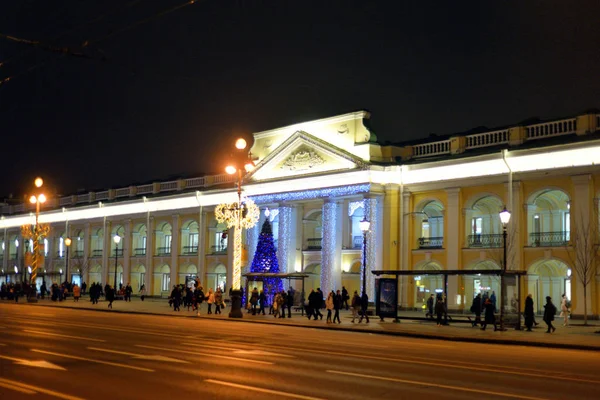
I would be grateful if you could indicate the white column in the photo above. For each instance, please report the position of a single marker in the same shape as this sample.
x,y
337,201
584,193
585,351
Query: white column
x,y
329,245
175,246
105,253
6,253
86,252
230,254
515,241
284,238
405,247
202,229
452,242
150,237
127,253
373,256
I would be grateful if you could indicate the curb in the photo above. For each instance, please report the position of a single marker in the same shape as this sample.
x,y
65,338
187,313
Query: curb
x,y
509,342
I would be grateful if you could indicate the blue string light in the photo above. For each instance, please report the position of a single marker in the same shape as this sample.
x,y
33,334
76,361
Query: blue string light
x,y
311,194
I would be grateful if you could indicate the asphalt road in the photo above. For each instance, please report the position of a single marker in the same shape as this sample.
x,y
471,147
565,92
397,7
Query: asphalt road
x,y
72,354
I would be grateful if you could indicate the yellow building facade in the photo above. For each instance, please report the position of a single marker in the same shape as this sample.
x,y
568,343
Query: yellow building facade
x,y
432,205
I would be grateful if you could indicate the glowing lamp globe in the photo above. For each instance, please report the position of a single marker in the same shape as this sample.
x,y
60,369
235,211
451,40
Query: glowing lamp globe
x,y
42,198
67,242
38,182
230,169
117,239
364,225
504,216
240,144
33,200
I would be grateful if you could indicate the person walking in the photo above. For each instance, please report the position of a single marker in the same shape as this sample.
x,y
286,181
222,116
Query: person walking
x,y
83,288
176,297
218,300
549,313
329,306
440,308
490,316
565,305
128,291
76,292
281,303
110,295
254,299
198,299
142,292
364,306
337,304
528,312
476,309
210,300
355,304
493,300
345,297
262,300
430,306
290,301
318,303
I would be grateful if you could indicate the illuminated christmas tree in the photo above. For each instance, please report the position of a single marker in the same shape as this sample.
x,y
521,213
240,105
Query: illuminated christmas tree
x,y
265,259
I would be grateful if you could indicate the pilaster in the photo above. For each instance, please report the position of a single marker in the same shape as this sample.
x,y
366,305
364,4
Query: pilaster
x,y
105,250
175,246
148,280
127,252
86,251
452,239
284,238
391,226
328,245
202,244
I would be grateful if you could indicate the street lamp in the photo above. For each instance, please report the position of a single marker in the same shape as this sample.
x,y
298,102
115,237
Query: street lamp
x,y
504,218
67,243
238,216
116,239
60,272
16,266
364,227
36,232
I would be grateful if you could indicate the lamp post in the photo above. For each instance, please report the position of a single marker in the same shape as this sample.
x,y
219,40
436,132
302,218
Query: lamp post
x,y
364,227
36,232
504,218
238,216
16,273
60,272
67,243
17,266
116,239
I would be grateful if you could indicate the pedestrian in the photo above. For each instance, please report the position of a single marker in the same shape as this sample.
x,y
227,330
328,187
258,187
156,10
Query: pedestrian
x,y
218,300
176,298
76,292
290,301
337,304
476,309
319,303
83,287
275,304
110,296
493,300
198,299
262,302
210,300
281,303
528,312
565,306
329,305
355,304
364,305
490,316
345,297
430,305
254,300
142,292
439,310
43,289
128,291
549,313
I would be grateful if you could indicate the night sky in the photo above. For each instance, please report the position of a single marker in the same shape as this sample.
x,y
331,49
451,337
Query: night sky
x,y
123,92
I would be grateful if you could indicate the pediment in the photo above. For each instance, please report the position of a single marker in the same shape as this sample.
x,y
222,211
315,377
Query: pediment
x,y
303,154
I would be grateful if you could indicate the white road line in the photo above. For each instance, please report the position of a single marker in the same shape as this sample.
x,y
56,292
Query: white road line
x,y
205,354
40,390
65,336
430,384
94,361
213,346
261,390
141,356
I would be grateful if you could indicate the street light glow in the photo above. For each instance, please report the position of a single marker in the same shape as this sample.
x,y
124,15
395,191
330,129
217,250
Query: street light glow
x,y
117,239
38,182
364,224
230,169
504,216
33,200
67,242
42,198
240,144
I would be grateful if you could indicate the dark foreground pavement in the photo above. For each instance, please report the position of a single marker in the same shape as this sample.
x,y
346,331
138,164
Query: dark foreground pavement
x,y
52,352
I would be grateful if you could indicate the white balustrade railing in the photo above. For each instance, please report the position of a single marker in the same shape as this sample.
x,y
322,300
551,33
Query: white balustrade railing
x,y
168,186
553,128
431,149
487,139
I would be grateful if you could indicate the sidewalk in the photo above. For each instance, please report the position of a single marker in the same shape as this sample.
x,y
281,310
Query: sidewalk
x,y
575,336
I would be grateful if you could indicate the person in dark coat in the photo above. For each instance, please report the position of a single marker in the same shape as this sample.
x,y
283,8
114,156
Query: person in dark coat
x,y
290,302
476,309
337,304
110,295
364,305
345,298
83,288
549,313
128,291
254,300
528,313
490,316
430,306
440,309
176,297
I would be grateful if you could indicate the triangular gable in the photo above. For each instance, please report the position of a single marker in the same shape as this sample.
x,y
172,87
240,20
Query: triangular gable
x,y
303,154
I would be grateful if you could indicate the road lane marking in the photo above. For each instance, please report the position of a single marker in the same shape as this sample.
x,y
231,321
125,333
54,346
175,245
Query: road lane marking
x,y
16,388
430,384
31,363
479,368
211,346
205,354
92,360
64,336
237,350
40,390
261,390
151,357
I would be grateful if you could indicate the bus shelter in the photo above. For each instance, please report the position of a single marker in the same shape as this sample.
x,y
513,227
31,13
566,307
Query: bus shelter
x,y
506,277
293,276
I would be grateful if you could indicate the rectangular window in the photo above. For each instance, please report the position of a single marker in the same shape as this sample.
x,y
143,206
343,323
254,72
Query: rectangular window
x,y
144,241
166,282
61,242
193,241
425,228
477,226
168,241
142,280
567,225
45,247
